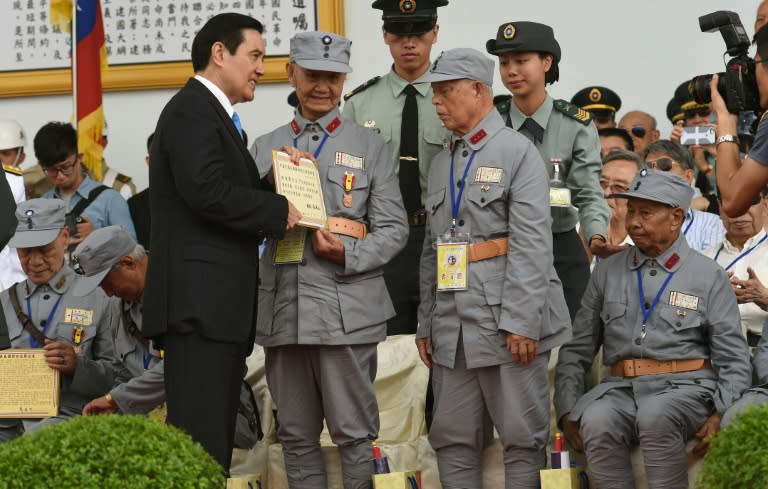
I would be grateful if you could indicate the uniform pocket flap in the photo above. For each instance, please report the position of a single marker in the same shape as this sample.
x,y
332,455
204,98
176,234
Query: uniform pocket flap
x,y
435,200
612,310
484,194
680,318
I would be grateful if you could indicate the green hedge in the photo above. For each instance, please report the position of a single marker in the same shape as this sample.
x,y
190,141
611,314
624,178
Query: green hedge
x,y
738,455
108,452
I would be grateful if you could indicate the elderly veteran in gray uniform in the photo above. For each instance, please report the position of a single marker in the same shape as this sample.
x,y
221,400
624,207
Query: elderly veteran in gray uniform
x,y
320,317
668,322
112,260
492,306
529,58
43,312
758,394
399,108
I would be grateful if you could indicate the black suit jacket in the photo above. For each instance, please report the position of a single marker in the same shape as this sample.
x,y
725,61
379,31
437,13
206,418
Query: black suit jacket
x,y
138,205
7,230
209,212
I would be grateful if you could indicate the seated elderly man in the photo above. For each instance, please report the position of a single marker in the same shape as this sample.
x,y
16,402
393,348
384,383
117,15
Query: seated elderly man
x,y
701,229
668,323
110,258
43,312
743,253
758,394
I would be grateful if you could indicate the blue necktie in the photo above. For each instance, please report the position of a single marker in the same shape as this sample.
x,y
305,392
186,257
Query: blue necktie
x,y
238,126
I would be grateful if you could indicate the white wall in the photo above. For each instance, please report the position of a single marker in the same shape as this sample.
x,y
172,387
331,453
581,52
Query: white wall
x,y
640,48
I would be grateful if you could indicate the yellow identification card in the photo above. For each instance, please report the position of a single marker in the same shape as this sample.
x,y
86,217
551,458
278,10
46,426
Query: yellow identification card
x,y
560,197
291,248
452,266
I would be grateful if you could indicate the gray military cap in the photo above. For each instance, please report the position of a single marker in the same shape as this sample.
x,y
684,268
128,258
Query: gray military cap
x,y
97,254
460,64
659,186
322,51
40,222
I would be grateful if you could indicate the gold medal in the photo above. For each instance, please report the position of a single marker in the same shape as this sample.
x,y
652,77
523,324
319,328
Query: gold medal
x,y
347,200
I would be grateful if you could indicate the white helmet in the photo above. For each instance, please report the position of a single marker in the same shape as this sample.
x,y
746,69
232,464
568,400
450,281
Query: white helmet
x,y
12,135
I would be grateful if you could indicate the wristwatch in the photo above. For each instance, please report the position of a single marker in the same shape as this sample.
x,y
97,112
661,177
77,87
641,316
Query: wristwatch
x,y
727,138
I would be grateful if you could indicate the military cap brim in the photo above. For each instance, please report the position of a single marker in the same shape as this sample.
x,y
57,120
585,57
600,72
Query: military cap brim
x,y
684,97
597,99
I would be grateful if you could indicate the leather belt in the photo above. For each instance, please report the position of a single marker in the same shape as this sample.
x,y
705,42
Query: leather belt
x,y
488,249
347,227
418,218
637,367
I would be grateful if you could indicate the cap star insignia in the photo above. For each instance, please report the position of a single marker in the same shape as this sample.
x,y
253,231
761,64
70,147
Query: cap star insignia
x,y
643,172
327,40
509,32
407,6
29,213
595,95
369,124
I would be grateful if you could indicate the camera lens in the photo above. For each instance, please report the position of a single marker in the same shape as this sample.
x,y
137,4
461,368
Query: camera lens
x,y
699,88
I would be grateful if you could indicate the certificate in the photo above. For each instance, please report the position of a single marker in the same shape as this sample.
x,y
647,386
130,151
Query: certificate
x,y
30,387
300,184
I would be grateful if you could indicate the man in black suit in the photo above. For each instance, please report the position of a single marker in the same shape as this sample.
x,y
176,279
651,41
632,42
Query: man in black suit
x,y
7,229
139,207
209,211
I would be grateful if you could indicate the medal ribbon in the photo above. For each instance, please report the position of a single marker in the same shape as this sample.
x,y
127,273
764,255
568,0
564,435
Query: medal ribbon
x,y
455,203
32,341
750,250
647,312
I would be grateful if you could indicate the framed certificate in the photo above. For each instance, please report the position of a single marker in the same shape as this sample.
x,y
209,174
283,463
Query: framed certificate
x,y
300,184
30,387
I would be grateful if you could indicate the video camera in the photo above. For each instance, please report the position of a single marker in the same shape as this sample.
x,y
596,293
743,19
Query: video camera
x,y
737,84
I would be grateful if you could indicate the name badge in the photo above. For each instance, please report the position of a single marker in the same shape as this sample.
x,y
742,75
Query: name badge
x,y
678,299
350,161
488,174
452,254
82,317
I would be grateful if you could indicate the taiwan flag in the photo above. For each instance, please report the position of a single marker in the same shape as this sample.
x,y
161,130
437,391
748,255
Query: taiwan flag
x,y
89,58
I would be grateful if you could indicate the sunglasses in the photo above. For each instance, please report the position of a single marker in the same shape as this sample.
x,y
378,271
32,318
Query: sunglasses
x,y
700,112
638,131
661,164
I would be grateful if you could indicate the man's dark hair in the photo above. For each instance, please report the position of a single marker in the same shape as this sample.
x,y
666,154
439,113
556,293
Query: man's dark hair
x,y
619,133
624,156
671,149
761,42
55,142
225,28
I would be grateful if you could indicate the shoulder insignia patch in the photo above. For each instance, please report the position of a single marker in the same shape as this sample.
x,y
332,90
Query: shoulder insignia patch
x,y
14,170
502,103
573,111
362,87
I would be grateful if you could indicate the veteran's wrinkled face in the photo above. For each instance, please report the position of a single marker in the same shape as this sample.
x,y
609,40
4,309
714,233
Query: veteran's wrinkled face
x,y
456,103
42,263
653,226
319,92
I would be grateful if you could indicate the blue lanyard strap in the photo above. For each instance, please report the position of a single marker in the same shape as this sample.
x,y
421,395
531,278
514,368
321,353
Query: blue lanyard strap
x,y
455,203
745,253
648,311
147,359
32,341
319,148
690,223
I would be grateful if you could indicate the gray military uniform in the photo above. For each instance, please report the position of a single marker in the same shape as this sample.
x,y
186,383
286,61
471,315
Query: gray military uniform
x,y
758,394
380,108
142,386
320,321
518,292
95,371
694,319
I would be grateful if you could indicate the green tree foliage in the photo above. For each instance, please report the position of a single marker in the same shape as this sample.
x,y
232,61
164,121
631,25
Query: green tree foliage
x,y
116,452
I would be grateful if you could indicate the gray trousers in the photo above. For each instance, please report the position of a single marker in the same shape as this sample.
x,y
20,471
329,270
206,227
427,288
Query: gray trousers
x,y
309,383
753,397
517,399
658,416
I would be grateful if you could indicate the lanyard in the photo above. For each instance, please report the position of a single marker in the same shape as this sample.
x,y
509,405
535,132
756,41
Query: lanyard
x,y
319,148
455,203
750,250
32,341
647,312
690,223
147,359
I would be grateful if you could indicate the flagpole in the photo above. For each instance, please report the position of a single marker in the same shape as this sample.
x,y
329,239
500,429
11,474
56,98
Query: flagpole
x,y
74,61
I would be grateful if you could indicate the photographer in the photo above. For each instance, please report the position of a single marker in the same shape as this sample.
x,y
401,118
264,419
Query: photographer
x,y
739,181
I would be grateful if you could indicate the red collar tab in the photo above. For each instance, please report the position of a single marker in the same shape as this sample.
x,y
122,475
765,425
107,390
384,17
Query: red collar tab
x,y
478,136
295,127
333,125
672,261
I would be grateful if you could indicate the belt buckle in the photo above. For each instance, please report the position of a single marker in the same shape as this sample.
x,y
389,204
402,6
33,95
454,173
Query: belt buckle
x,y
418,218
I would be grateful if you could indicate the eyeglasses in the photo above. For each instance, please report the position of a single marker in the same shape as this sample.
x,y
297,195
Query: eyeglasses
x,y
662,164
699,112
614,187
638,131
65,169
